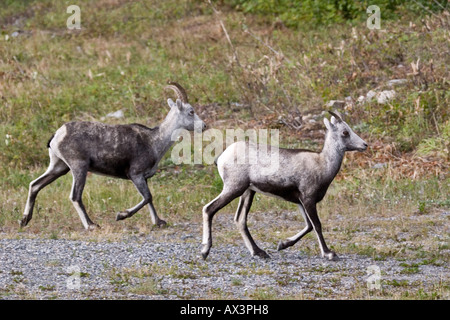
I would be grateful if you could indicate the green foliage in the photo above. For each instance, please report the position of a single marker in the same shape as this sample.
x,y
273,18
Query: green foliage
x,y
438,145
296,13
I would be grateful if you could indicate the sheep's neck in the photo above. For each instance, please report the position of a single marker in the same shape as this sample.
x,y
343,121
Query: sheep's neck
x,y
163,138
332,157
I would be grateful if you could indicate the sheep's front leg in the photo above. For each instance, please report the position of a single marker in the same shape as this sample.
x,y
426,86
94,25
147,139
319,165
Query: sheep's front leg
x,y
311,213
141,185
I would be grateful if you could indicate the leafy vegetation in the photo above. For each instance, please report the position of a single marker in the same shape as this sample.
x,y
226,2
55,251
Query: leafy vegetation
x,y
301,14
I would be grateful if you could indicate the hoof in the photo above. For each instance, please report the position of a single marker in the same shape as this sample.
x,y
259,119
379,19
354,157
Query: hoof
x,y
121,215
332,256
161,223
205,252
93,227
281,246
262,254
23,222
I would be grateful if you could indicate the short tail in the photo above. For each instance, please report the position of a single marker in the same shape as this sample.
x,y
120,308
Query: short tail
x,y
50,140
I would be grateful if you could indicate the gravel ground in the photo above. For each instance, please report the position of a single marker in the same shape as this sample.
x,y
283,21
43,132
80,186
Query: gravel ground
x,y
151,266
166,264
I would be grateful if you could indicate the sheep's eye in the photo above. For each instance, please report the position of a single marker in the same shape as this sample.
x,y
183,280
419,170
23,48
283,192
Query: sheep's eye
x,y
191,112
345,133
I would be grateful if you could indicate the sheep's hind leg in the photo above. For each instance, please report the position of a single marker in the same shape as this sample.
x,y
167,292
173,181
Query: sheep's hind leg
x,y
56,169
79,173
245,202
224,198
294,239
157,221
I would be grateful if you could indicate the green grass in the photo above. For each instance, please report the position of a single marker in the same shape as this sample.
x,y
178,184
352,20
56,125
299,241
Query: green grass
x,y
122,57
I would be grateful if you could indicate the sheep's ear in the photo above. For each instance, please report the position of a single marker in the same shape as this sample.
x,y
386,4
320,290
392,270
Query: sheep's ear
x,y
171,103
333,120
328,124
179,104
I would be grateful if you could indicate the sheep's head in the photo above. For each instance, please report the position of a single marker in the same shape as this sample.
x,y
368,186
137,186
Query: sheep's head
x,y
185,113
345,138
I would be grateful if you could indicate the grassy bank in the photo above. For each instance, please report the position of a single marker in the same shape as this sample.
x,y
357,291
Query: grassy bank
x,y
242,67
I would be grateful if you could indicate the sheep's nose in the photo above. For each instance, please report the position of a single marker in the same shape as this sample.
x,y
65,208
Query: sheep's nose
x,y
204,126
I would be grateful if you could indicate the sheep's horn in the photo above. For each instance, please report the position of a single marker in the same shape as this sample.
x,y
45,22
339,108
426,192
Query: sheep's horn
x,y
337,115
179,91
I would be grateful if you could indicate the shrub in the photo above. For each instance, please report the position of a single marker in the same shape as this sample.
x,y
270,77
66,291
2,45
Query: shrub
x,y
295,13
